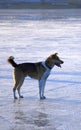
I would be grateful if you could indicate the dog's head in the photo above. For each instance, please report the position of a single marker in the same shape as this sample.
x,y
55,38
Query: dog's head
x,y
57,60
54,60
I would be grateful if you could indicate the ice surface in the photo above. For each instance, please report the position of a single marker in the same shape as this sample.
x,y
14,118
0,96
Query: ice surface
x,y
32,35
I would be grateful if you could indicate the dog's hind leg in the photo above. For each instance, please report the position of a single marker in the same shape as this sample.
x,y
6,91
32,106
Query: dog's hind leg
x,y
19,86
18,81
14,92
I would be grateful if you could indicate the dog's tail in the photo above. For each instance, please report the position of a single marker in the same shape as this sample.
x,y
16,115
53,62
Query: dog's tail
x,y
12,62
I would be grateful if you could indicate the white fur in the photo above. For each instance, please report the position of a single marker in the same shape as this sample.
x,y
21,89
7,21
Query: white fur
x,y
42,81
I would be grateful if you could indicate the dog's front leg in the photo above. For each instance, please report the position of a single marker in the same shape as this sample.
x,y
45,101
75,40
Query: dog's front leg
x,y
42,82
41,88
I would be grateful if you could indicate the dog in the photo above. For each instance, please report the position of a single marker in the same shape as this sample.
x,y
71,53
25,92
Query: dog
x,y
38,70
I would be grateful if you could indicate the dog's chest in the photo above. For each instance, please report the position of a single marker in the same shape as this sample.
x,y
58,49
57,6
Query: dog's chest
x,y
47,72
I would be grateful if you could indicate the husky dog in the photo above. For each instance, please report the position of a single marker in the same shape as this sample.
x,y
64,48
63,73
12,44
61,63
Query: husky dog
x,y
38,70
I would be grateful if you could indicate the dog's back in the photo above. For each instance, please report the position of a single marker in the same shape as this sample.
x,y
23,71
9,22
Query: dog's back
x,y
33,70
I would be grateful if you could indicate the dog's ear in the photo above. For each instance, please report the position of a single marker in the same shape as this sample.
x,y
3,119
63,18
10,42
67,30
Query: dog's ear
x,y
54,55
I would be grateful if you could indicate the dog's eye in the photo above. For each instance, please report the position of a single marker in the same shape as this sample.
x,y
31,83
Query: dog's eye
x,y
57,58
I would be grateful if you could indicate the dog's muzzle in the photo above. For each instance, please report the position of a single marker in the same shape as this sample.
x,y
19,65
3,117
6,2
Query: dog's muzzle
x,y
59,63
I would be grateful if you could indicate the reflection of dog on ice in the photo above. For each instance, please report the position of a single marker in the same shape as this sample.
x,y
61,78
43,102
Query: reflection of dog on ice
x,y
39,71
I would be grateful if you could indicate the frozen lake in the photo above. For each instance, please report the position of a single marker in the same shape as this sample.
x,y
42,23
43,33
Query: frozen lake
x,y
32,35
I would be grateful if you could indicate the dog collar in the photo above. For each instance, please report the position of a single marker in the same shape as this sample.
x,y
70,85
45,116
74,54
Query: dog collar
x,y
46,65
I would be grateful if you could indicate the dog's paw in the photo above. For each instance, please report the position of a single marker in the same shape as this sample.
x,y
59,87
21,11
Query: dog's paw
x,y
42,98
21,96
15,98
